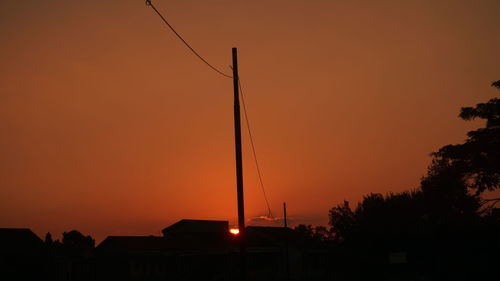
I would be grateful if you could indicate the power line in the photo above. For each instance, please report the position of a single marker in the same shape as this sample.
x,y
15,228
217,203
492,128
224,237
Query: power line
x,y
270,214
148,2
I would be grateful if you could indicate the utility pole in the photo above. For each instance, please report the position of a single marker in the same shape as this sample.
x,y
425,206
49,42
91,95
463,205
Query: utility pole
x,y
287,258
284,213
239,166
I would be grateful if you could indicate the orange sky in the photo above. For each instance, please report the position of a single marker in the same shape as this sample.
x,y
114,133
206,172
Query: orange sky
x,y
109,125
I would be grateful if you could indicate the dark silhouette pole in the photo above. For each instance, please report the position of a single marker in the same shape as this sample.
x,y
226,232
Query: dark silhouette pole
x,y
284,213
287,258
239,166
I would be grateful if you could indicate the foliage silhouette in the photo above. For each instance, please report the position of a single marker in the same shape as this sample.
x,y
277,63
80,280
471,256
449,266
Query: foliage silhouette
x,y
477,161
377,217
75,240
313,234
341,221
48,239
441,225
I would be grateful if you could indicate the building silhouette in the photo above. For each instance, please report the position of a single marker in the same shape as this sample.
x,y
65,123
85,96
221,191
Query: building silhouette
x,y
22,254
201,250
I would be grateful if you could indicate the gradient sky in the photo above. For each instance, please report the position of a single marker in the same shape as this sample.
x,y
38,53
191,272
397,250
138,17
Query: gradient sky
x,y
109,125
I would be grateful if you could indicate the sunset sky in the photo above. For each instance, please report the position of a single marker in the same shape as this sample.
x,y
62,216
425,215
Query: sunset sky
x,y
109,125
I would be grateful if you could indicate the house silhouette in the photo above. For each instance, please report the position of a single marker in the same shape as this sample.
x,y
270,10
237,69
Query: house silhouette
x,y
187,250
199,250
21,254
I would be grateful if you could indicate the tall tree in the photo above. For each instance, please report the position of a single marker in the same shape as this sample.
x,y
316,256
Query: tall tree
x,y
342,221
477,160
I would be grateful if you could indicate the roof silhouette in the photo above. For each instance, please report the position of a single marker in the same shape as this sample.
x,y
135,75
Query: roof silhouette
x,y
182,236
135,243
19,240
197,226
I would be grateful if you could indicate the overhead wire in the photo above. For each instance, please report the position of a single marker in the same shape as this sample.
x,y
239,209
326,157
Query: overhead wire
x,y
148,3
270,214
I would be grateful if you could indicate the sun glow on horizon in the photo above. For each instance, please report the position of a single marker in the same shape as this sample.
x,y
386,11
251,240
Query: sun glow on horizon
x,y
234,231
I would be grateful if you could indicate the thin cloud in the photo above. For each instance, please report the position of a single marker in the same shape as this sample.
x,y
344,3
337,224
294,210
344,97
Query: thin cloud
x,y
268,221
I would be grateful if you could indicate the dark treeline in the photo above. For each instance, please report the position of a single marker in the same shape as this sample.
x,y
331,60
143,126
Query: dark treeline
x,y
443,230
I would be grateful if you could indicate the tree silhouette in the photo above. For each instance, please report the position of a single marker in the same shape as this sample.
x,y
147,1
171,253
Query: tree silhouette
x,y
315,234
342,221
396,216
477,161
440,225
305,231
48,239
321,233
75,240
76,244
444,197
